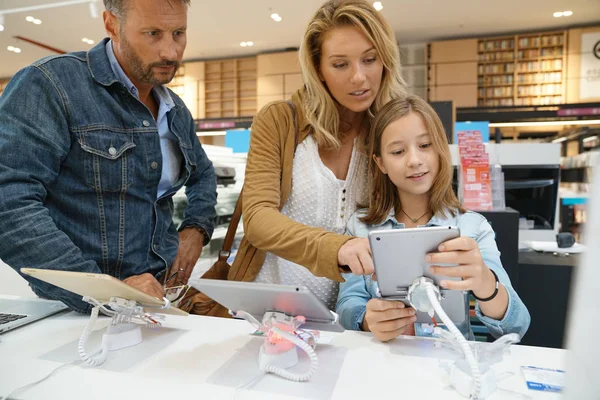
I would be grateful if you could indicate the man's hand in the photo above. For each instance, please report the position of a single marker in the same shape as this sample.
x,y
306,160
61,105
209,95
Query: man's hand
x,y
356,254
191,241
147,284
387,319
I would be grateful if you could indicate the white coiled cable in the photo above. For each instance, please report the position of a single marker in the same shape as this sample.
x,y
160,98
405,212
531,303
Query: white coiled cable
x,y
291,376
466,348
92,360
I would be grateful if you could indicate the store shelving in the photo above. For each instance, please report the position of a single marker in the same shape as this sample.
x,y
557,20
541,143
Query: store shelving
x,y
230,88
522,69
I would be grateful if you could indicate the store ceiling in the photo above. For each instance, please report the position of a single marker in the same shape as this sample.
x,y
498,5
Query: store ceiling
x,y
216,28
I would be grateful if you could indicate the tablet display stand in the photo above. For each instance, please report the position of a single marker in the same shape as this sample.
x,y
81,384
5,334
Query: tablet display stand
x,y
282,337
123,330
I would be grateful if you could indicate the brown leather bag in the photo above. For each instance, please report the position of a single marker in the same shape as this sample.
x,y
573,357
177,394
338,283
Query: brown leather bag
x,y
196,302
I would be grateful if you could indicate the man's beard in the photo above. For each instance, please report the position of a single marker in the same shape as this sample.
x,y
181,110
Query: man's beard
x,y
143,73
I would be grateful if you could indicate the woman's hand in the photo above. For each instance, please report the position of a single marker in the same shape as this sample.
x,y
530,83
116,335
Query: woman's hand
x,y
475,274
356,254
387,319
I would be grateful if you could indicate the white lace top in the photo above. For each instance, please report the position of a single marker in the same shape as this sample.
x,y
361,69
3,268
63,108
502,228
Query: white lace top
x,y
317,199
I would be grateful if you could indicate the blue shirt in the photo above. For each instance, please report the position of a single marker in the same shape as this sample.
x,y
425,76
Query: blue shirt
x,y
357,290
79,173
171,154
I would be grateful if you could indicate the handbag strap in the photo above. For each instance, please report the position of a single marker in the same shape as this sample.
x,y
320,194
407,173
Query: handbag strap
x,y
237,213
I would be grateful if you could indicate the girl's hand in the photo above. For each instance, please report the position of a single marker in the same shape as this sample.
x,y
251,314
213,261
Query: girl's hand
x,y
475,274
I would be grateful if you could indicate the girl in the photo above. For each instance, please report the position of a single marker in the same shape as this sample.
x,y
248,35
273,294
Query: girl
x,y
411,185
300,191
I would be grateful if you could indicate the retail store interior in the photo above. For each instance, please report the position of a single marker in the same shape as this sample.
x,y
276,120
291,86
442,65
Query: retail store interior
x,y
524,74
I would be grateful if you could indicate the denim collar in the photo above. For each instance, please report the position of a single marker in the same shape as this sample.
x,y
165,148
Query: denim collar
x,y
434,221
106,72
160,91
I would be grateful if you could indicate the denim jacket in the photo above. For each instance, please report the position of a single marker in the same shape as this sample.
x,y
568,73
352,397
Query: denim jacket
x,y
79,170
357,290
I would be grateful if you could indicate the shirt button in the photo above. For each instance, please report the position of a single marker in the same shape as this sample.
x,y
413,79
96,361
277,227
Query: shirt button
x,y
154,165
343,199
145,123
344,191
342,216
112,151
342,208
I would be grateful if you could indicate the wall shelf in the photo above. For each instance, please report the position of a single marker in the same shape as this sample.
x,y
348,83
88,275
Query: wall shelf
x,y
538,59
229,83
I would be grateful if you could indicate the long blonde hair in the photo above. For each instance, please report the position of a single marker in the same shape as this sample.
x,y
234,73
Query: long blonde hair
x,y
383,194
320,107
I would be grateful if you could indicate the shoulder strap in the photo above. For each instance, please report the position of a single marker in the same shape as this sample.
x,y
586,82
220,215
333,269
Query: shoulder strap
x,y
237,213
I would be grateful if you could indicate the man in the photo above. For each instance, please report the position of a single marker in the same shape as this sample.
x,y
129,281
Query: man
x,y
93,148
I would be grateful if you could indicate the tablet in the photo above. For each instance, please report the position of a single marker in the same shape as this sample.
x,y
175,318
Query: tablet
x,y
399,258
259,298
100,287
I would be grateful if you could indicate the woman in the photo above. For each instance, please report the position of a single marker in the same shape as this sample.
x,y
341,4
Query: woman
x,y
299,192
411,185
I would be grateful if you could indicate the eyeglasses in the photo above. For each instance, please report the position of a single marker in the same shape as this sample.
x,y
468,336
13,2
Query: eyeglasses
x,y
175,293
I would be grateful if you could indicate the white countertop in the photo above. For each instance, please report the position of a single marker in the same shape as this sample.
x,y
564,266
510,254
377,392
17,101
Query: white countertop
x,y
204,358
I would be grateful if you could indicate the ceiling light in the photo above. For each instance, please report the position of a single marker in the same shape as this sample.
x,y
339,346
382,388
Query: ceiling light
x,y
589,139
90,41
94,13
29,19
558,14
1,22
17,50
249,43
276,17
562,139
378,6
567,13
10,48
243,44
84,40
37,21
544,123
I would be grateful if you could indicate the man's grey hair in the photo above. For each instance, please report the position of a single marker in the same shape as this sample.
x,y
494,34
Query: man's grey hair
x,y
119,7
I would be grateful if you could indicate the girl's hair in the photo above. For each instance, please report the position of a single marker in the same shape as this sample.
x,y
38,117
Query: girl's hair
x,y
383,194
320,107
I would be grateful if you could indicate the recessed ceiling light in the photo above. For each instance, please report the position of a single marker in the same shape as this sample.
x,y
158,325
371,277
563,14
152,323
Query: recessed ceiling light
x,y
10,48
276,17
90,41
558,14
378,6
243,44
567,13
249,43
17,50
29,18
84,40
37,21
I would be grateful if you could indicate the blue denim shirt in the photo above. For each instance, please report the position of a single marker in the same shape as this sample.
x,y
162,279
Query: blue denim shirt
x,y
79,174
358,290
169,145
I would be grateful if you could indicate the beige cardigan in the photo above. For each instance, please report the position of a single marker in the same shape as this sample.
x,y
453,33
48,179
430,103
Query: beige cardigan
x,y
267,186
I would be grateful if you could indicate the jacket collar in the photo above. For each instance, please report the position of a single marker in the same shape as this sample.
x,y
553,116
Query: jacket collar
x,y
434,221
304,127
99,64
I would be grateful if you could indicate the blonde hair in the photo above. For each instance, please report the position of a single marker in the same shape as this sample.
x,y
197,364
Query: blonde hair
x,y
383,194
319,106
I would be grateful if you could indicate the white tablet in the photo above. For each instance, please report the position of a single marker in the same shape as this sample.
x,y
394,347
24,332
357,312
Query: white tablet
x,y
258,298
100,287
399,258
